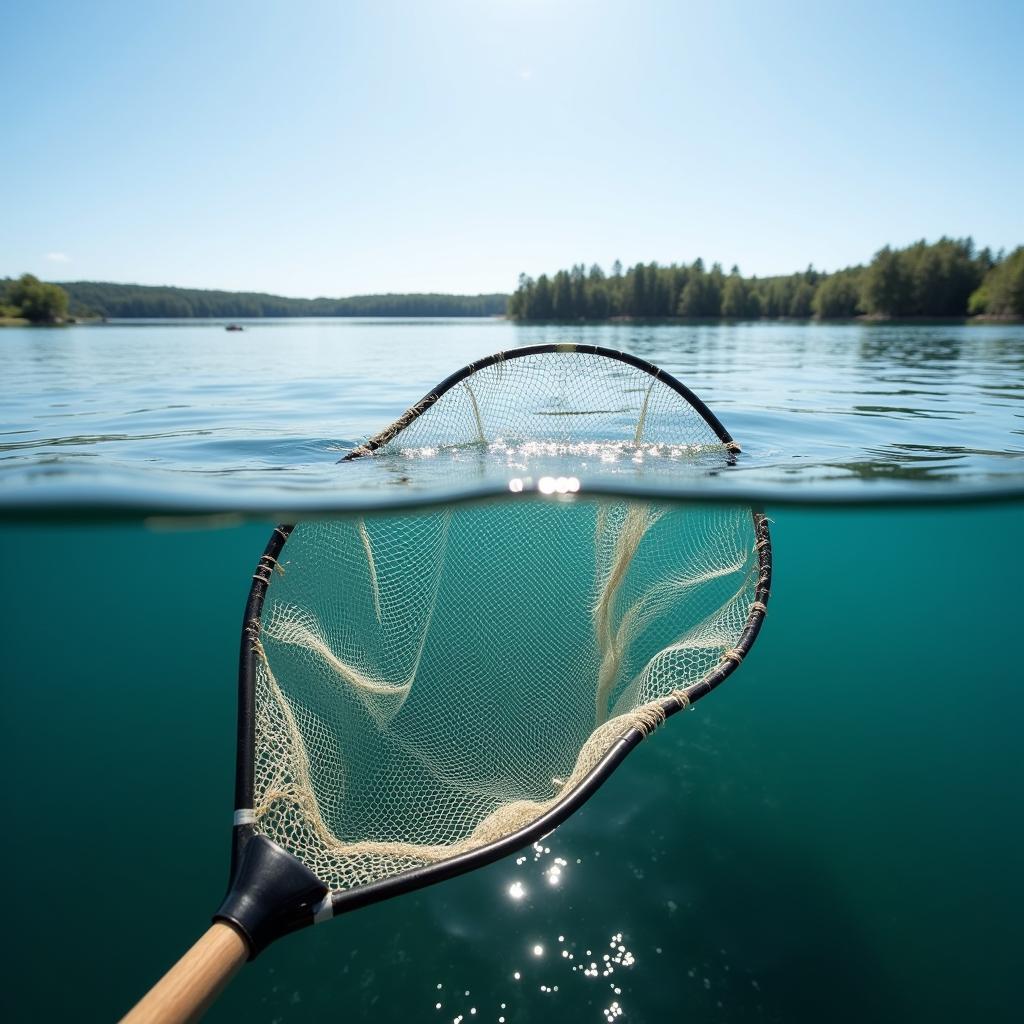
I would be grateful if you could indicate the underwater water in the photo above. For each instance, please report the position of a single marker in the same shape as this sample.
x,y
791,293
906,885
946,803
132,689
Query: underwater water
x,y
834,834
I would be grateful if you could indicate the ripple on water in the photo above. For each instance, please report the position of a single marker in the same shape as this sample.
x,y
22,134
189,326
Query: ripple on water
x,y
173,417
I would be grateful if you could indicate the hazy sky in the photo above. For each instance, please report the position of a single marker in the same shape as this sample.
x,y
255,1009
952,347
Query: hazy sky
x,y
340,148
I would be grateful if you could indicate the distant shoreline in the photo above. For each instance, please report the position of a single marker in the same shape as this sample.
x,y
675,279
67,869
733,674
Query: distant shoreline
x,y
135,301
217,321
721,320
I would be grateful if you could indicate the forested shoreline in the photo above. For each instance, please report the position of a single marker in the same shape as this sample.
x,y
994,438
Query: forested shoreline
x,y
129,300
945,279
106,300
949,278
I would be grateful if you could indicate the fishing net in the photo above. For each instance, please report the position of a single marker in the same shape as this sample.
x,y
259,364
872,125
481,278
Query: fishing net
x,y
428,682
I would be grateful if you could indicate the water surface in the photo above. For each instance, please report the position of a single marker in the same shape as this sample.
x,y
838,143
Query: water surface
x,y
189,415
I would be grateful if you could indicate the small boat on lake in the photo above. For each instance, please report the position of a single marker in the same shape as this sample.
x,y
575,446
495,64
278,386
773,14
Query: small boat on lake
x,y
233,327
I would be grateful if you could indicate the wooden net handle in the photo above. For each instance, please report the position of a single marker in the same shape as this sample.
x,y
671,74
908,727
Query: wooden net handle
x,y
186,991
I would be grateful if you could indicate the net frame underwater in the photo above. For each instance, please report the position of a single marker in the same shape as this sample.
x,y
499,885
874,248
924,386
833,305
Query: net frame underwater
x,y
274,889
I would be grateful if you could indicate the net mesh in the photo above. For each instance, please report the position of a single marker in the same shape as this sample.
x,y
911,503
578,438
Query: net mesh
x,y
430,681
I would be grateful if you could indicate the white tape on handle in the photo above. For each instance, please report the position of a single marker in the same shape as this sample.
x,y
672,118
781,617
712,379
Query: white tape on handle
x,y
324,910
245,816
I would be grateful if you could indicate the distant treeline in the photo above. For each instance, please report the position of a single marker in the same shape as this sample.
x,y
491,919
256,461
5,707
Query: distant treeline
x,y
98,298
946,279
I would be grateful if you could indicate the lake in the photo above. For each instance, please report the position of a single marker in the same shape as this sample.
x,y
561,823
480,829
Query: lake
x,y
834,834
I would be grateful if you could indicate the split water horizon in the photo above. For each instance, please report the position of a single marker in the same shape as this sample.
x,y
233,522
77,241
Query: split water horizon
x,y
833,834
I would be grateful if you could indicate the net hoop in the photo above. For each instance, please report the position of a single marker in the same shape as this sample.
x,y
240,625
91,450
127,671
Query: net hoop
x,y
420,407
415,878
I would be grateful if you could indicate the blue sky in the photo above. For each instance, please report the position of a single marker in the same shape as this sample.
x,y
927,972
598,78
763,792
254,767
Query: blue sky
x,y
342,148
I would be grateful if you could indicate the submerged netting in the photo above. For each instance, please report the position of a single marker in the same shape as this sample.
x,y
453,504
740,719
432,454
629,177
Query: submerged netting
x,y
429,682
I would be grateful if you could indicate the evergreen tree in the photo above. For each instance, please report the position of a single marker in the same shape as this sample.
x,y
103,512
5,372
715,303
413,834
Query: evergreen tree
x,y
636,290
702,295
800,304
716,282
561,296
837,297
1001,293
691,301
735,297
541,308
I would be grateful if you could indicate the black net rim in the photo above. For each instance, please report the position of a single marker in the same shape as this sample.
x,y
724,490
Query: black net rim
x,y
418,877
413,413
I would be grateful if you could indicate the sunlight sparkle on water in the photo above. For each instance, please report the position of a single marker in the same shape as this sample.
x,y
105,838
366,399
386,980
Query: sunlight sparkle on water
x,y
540,976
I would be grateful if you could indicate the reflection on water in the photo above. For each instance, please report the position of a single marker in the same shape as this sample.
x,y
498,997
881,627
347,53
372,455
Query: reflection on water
x,y
562,965
550,974
177,410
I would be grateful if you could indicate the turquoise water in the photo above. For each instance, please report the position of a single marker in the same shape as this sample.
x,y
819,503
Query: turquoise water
x,y
833,835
